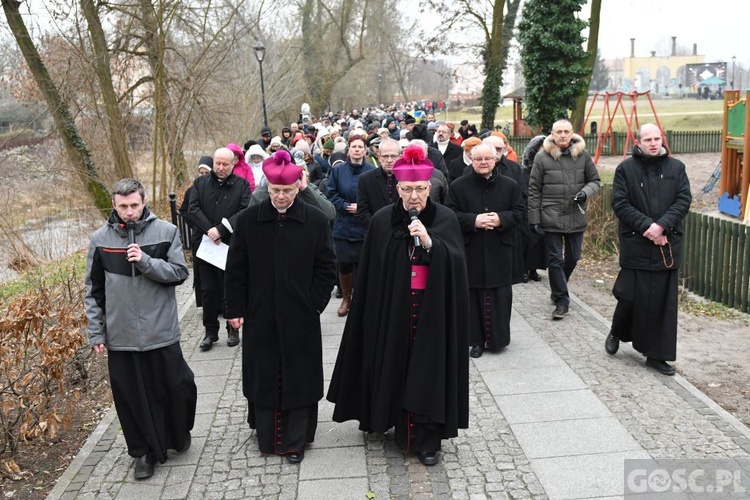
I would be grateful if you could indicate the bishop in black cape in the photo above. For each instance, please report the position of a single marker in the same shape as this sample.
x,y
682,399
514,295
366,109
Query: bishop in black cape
x,y
376,378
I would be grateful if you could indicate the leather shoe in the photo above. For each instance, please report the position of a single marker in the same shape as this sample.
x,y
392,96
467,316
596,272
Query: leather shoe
x,y
208,342
339,292
534,276
559,312
428,457
612,344
295,457
185,444
476,351
233,335
660,366
144,466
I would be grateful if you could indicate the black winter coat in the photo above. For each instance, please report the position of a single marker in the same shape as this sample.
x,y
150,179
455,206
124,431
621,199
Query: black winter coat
x,y
211,201
375,189
649,189
489,254
279,277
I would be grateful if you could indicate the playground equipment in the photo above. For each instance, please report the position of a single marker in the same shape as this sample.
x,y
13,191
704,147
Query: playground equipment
x,y
735,148
604,133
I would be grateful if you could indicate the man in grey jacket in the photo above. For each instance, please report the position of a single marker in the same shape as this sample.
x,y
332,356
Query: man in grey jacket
x,y
563,177
135,261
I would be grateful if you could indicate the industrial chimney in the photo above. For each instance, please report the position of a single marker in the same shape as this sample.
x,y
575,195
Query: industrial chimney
x,y
695,49
674,46
632,47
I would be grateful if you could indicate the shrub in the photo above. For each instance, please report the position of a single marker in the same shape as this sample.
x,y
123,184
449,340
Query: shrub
x,y
42,354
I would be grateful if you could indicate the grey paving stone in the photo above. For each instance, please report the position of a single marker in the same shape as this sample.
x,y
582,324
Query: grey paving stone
x,y
527,381
596,475
548,406
515,358
210,384
330,463
333,489
207,402
210,367
573,437
151,488
334,435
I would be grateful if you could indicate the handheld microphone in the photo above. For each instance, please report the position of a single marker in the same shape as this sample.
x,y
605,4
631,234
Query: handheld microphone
x,y
414,215
130,225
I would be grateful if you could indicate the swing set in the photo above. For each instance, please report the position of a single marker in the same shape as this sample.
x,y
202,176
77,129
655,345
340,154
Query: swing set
x,y
605,135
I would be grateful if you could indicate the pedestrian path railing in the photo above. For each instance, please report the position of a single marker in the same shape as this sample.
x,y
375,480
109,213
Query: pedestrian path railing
x,y
715,253
180,222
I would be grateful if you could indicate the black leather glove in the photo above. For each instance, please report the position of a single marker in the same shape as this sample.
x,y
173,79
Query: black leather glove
x,y
536,229
580,197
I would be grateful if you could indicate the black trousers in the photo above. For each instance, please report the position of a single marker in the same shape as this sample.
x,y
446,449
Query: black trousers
x,y
563,253
155,397
212,295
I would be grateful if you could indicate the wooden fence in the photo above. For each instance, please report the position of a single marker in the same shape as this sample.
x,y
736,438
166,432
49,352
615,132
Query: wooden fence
x,y
715,255
697,141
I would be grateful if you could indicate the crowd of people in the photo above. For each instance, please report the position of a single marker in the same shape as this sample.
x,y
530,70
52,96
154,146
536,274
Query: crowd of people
x,y
422,227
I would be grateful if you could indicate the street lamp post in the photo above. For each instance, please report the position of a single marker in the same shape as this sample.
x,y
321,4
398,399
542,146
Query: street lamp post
x,y
260,54
734,60
380,89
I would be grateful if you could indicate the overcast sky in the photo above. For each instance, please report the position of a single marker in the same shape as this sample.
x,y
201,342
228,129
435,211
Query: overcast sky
x,y
721,28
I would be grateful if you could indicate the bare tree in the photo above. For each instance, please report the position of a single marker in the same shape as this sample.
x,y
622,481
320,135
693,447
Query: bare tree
x,y
75,146
117,137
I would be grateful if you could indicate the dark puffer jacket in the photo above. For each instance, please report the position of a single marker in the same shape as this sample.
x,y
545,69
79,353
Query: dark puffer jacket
x,y
650,189
556,177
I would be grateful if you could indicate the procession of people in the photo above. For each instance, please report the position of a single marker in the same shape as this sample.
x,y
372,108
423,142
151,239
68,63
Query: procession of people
x,y
423,229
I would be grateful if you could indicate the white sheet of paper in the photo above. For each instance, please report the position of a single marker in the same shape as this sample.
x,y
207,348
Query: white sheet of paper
x,y
214,254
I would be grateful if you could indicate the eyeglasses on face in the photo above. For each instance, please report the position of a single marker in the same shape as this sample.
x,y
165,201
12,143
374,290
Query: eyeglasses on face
x,y
487,159
389,157
410,190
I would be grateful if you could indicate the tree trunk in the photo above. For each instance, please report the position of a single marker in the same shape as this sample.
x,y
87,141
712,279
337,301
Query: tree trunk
x,y
493,78
116,137
579,112
75,146
170,140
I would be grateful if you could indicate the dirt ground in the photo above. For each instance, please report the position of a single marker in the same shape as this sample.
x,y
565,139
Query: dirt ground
x,y
712,350
711,353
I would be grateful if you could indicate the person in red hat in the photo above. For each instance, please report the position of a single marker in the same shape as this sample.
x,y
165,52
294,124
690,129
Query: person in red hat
x,y
402,360
277,292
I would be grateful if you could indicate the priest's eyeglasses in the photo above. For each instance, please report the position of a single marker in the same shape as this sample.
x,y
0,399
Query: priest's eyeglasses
x,y
410,190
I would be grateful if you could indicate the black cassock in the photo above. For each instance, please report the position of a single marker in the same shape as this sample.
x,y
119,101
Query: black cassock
x,y
279,276
403,355
490,254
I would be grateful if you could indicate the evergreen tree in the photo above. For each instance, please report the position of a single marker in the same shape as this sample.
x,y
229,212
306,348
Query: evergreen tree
x,y
553,59
600,76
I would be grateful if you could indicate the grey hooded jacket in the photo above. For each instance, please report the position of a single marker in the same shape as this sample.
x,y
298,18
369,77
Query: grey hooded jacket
x,y
138,313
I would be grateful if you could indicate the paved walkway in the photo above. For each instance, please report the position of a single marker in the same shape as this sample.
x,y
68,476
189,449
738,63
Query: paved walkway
x,y
552,416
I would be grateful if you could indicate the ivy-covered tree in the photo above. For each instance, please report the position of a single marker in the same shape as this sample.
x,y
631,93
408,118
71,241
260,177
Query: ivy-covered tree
x,y
553,59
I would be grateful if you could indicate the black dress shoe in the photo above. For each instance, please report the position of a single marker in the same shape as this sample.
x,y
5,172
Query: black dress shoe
x,y
208,342
295,457
612,344
233,337
526,277
339,293
660,366
144,466
428,457
476,351
185,444
559,312
534,276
